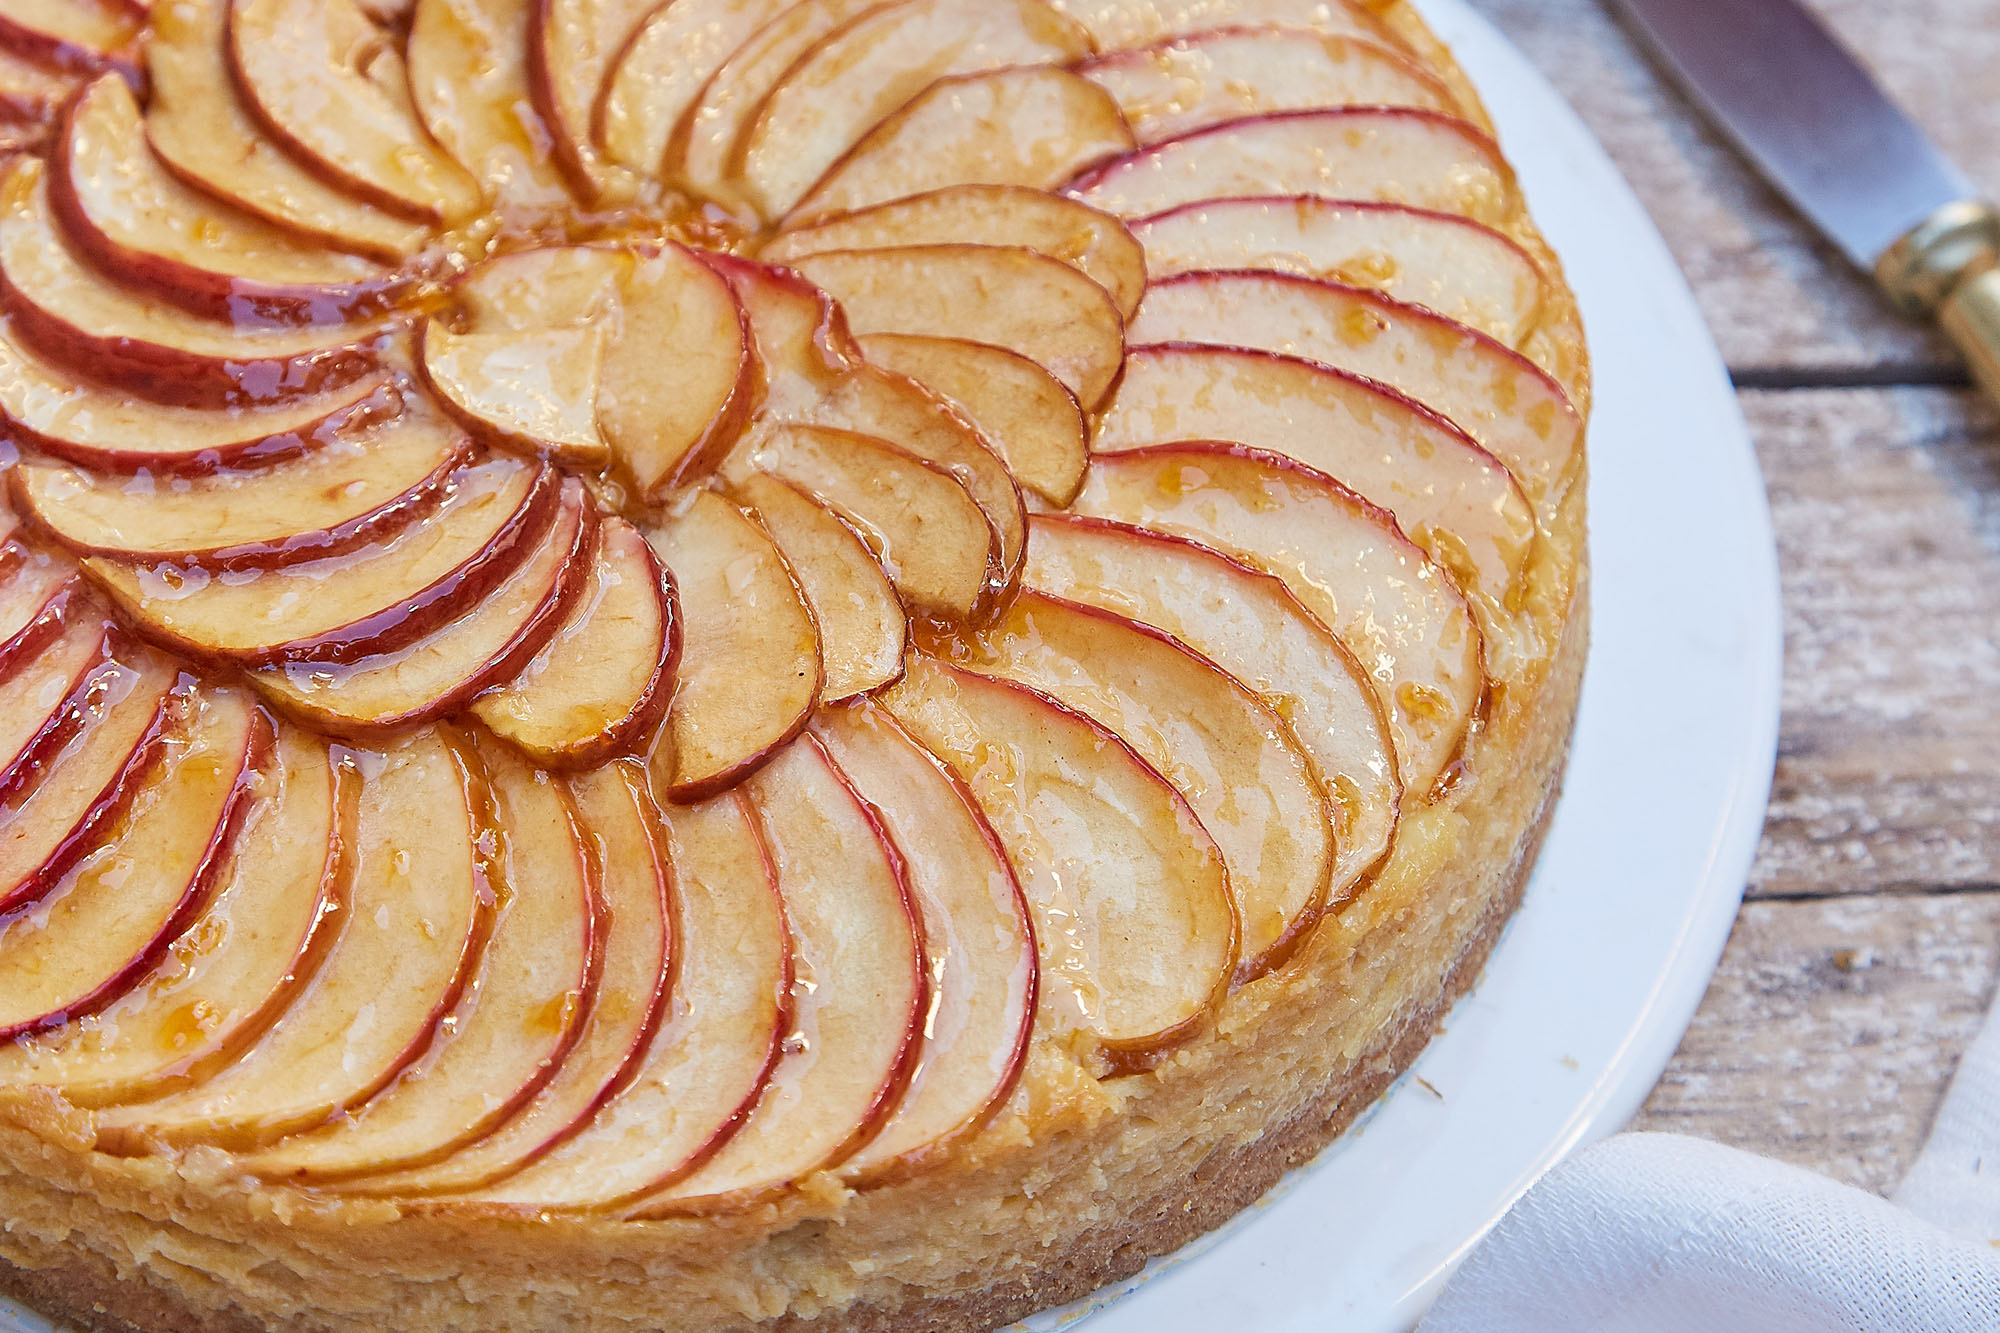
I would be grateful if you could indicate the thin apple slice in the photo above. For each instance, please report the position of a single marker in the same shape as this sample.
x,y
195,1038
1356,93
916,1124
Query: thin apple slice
x,y
712,1053
1034,127
1186,83
918,521
234,970
863,629
1011,297
80,36
36,592
208,140
79,320
859,999
440,673
621,830
131,218
414,914
1456,500
1497,396
1445,263
980,943
1343,558
700,149
111,432
517,1018
602,682
105,749
345,494
49,695
572,46
1133,914
111,917
295,61
1093,242
669,389
354,605
1394,155
1229,753
534,393
1116,24
1029,416
1249,624
851,81
664,67
30,93
750,670
468,71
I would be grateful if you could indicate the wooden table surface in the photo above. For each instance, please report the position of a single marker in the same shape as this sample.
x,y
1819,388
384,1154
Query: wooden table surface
x,y
1869,941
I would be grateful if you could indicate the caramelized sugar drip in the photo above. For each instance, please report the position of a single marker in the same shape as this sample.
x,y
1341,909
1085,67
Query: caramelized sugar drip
x,y
1062,475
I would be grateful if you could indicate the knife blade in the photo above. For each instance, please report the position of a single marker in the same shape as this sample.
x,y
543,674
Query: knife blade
x,y
1806,112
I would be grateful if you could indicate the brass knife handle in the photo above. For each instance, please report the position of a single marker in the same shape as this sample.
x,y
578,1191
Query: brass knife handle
x,y
1948,267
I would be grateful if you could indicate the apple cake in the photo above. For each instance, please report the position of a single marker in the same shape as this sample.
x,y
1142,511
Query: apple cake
x,y
744,664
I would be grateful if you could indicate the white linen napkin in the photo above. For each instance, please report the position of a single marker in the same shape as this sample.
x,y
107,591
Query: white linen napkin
x,y
1657,1233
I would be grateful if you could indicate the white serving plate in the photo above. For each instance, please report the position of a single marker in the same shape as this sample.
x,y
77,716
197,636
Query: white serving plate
x,y
1594,982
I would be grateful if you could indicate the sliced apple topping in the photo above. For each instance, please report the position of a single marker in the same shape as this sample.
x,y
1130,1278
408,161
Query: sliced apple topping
x,y
414,912
1249,624
1096,244
86,769
446,669
750,671
1496,395
572,47
111,432
516,1018
1346,562
30,92
1229,754
848,83
225,979
37,590
711,1055
1014,298
602,682
1190,82
980,943
859,993
929,535
700,151
102,332
372,600
1133,914
1116,24
623,840
575,349
1450,495
468,70
132,219
206,137
1035,127
1395,155
663,68
1029,416
109,919
295,61
50,689
1440,261
863,629
76,35
344,494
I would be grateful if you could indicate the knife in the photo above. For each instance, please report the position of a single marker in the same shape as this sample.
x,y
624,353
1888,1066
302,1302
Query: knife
x,y
1802,108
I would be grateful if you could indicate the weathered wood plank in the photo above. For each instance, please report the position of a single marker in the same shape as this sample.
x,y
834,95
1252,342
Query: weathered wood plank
x,y
1887,505
1832,1028
1778,298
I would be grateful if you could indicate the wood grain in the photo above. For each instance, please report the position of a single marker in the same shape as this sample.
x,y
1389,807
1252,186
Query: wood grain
x,y
1867,953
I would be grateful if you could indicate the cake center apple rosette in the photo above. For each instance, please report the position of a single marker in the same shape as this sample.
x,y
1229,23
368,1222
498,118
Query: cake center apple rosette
x,y
614,604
